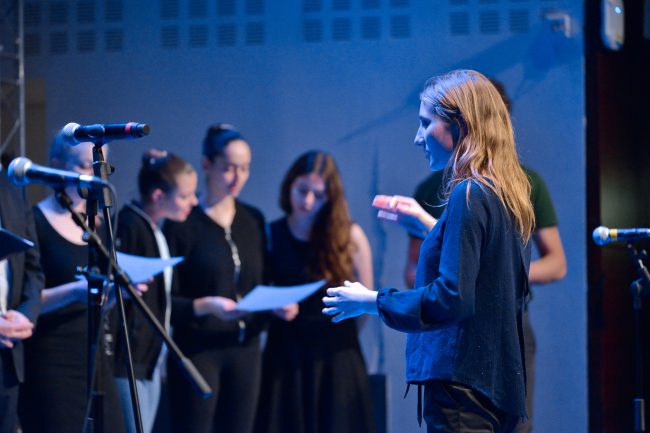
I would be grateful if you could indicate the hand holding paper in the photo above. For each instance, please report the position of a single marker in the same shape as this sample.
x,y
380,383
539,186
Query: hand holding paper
x,y
405,211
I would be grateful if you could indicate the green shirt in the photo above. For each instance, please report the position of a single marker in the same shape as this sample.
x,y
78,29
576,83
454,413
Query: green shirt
x,y
430,196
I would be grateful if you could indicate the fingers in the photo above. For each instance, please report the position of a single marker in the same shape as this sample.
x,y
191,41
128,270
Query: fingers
x,y
6,343
17,331
387,216
338,314
333,291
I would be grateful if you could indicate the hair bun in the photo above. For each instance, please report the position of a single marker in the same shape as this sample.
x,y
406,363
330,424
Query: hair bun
x,y
217,138
153,157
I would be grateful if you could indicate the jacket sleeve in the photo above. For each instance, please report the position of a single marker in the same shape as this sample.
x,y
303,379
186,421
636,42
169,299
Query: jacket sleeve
x,y
450,298
33,278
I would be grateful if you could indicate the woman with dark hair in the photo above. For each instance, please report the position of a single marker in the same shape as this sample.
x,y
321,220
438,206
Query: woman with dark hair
x,y
223,245
54,395
167,186
314,377
464,315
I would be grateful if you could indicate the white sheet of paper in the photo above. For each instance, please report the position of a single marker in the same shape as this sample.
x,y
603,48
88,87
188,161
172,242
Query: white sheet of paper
x,y
263,298
142,269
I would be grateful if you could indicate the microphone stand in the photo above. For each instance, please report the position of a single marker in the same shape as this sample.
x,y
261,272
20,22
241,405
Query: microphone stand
x,y
123,281
102,199
639,288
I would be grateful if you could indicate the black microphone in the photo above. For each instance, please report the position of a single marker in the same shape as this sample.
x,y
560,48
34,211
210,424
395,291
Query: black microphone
x,y
603,235
73,133
23,171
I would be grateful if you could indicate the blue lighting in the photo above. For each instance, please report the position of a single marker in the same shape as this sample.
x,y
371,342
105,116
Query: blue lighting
x,y
618,10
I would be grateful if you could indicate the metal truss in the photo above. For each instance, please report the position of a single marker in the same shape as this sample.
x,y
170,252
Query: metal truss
x,y
12,78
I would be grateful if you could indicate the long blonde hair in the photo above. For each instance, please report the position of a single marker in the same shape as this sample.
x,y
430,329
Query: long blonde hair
x,y
484,147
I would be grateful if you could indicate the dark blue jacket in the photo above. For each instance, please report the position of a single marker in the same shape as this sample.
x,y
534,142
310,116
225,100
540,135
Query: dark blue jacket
x,y
25,273
464,314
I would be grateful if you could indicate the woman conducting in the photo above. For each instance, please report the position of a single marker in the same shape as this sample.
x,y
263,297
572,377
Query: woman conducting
x,y
464,316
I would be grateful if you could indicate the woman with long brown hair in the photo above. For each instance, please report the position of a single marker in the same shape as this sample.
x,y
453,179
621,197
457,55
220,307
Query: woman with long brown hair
x,y
464,316
314,378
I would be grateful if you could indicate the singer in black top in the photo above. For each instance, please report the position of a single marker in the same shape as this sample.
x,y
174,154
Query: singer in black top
x,y
54,395
167,186
223,245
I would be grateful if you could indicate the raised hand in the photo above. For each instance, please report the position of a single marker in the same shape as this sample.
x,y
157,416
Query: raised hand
x,y
405,211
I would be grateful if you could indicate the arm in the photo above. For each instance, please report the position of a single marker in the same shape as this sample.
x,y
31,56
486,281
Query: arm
x,y
58,297
362,257
449,298
33,278
362,262
551,266
412,260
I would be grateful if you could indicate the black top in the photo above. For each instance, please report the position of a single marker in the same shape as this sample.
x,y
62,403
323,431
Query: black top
x,y
135,236
313,378
63,330
311,330
209,270
464,316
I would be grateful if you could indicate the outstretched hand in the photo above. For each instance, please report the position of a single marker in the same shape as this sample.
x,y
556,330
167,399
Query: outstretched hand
x,y
405,211
349,300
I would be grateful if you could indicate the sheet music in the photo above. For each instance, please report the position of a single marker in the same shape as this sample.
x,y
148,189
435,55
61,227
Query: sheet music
x,y
263,298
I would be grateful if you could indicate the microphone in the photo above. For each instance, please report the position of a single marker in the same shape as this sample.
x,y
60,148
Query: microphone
x,y
603,235
73,133
22,171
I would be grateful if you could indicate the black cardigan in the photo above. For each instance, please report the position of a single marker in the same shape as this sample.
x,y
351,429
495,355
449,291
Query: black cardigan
x,y
135,236
208,270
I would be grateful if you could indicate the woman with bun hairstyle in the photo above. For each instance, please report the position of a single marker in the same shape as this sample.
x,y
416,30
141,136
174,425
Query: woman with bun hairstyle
x,y
223,244
167,186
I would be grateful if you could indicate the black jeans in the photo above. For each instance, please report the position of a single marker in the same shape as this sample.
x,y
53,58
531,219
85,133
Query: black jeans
x,y
455,408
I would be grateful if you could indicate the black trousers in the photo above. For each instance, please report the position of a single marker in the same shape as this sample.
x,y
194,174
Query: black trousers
x,y
234,374
8,393
454,408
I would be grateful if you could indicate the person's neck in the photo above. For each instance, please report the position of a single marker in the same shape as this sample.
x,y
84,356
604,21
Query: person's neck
x,y
220,208
151,211
300,227
51,203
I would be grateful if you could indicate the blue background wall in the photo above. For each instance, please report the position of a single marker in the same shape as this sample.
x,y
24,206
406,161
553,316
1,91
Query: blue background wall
x,y
340,75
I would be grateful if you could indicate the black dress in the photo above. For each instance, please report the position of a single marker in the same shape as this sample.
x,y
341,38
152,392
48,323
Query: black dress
x,y
314,378
226,353
53,396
